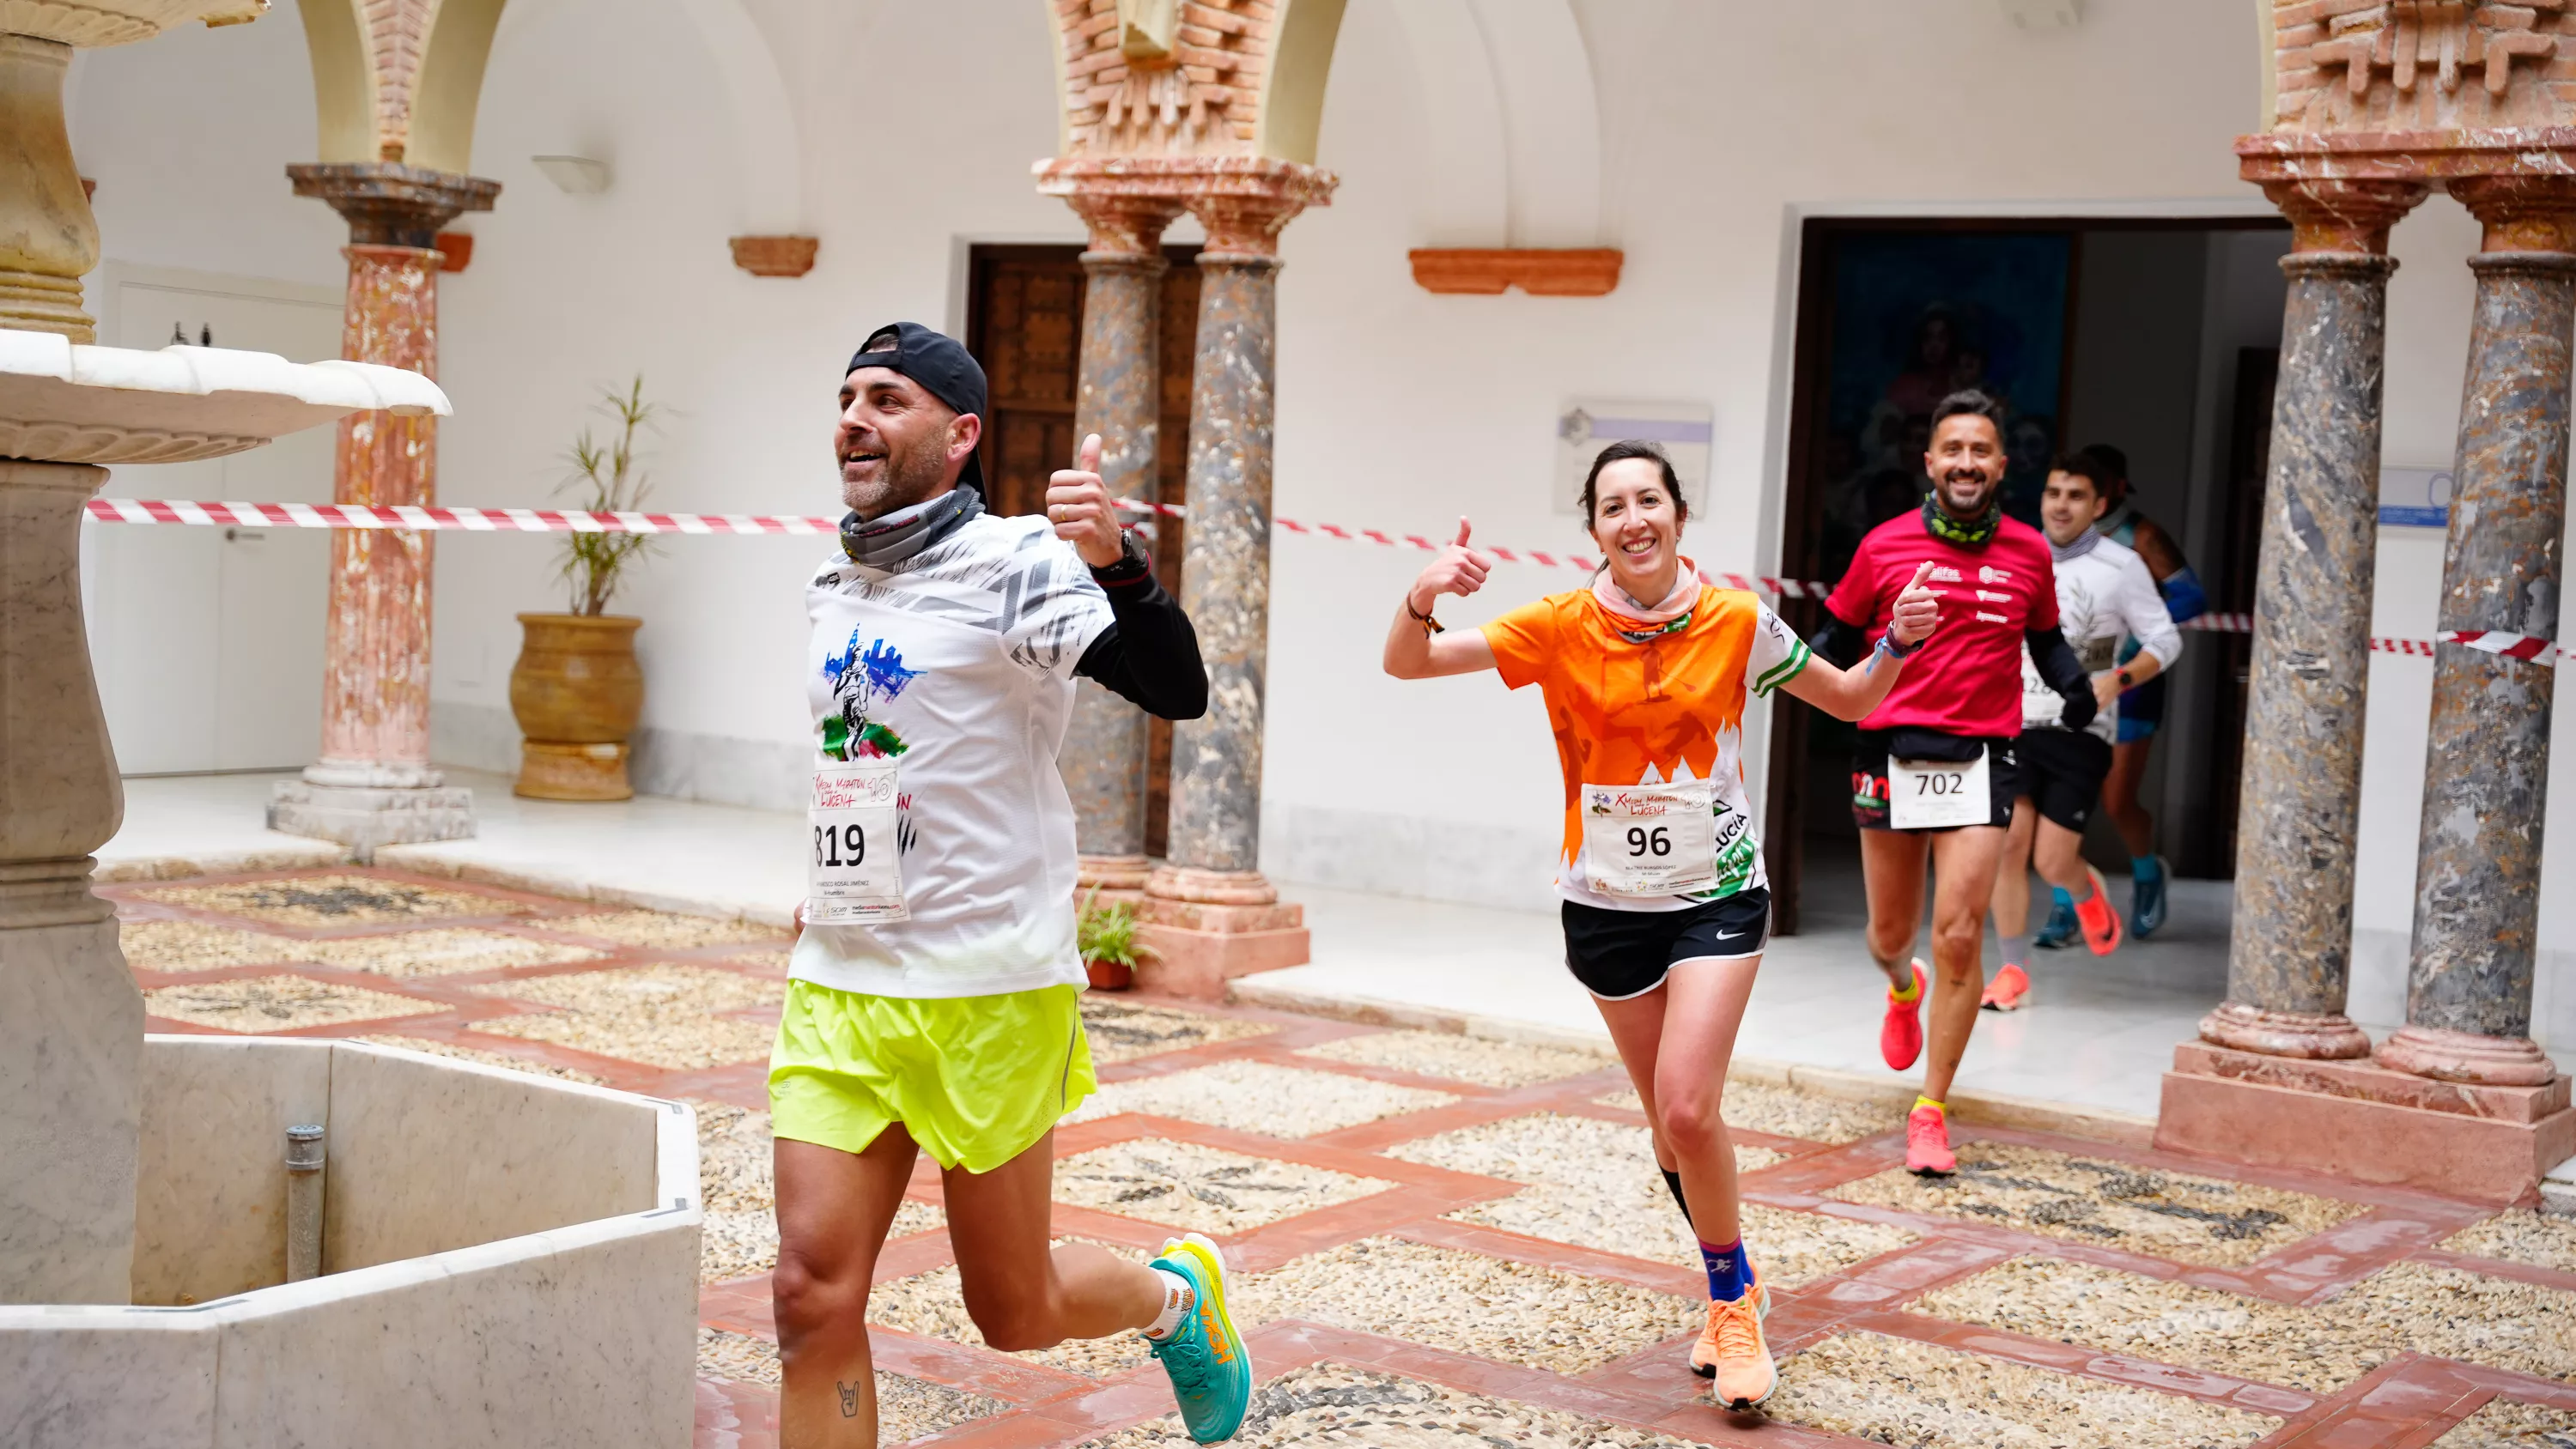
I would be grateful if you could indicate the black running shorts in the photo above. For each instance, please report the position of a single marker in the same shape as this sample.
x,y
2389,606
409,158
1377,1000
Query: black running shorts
x,y
1869,781
2062,773
1619,954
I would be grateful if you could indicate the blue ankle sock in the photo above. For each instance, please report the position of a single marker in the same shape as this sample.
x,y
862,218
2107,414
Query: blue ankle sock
x,y
2144,867
1728,1273
2063,900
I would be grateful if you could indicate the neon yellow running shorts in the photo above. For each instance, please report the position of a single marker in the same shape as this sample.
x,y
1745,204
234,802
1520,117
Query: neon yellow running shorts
x,y
976,1080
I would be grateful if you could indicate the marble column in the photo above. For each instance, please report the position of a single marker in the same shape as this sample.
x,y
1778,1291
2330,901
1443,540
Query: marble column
x,y
1210,912
71,1021
1119,396
2290,960
2486,769
374,785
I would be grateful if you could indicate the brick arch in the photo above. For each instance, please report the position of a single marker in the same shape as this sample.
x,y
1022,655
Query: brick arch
x,y
398,80
1193,77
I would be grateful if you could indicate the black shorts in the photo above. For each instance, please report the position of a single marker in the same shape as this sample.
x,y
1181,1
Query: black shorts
x,y
1869,781
2062,773
1619,954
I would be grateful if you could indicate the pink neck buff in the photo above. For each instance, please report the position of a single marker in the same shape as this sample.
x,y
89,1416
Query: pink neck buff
x,y
1680,601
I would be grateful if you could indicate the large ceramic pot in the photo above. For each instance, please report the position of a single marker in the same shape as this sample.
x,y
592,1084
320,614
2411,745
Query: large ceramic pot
x,y
576,691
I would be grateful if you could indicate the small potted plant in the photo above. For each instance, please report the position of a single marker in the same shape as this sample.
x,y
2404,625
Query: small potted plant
x,y
1107,938
577,689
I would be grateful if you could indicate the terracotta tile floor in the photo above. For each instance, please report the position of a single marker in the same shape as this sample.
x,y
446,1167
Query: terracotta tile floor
x,y
1448,1246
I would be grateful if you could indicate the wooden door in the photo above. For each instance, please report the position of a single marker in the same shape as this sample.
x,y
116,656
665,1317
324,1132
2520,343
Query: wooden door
x,y
1024,323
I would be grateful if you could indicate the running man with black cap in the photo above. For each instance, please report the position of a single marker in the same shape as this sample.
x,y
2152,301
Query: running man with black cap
x,y
932,999
1936,770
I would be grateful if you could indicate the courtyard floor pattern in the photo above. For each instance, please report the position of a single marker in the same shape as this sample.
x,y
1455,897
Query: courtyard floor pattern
x,y
1449,1243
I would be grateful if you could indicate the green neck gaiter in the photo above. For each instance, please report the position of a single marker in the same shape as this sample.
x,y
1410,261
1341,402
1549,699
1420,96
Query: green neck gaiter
x,y
1942,526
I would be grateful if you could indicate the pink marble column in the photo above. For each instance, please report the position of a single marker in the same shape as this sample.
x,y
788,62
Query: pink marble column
x,y
374,785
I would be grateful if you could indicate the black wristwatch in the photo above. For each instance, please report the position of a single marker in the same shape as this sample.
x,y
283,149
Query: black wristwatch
x,y
1133,562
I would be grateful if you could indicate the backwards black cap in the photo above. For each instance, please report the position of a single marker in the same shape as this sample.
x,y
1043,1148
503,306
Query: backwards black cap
x,y
943,367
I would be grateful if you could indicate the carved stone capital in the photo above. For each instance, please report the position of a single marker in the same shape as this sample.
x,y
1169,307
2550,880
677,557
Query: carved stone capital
x,y
2334,214
1243,201
389,204
2461,1056
1123,224
2328,1036
2521,213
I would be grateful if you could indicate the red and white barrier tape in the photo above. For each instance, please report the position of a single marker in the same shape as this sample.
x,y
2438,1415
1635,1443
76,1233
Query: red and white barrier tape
x,y
571,520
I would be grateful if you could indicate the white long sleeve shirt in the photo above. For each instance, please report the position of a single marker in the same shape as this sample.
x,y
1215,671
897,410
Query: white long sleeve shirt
x,y
2104,594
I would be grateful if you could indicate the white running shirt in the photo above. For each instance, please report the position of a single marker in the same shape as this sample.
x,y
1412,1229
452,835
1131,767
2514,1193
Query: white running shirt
x,y
2103,596
958,663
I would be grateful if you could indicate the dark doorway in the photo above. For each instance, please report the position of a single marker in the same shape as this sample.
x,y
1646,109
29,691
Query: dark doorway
x,y
2147,335
1024,323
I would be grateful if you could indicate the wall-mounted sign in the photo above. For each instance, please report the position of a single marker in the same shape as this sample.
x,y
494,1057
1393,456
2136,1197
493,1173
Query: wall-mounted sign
x,y
1588,425
2414,497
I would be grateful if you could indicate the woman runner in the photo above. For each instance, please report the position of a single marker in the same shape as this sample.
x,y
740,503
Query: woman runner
x,y
1666,907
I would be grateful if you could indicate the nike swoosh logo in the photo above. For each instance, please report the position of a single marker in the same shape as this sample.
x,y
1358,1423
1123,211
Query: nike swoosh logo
x,y
1730,936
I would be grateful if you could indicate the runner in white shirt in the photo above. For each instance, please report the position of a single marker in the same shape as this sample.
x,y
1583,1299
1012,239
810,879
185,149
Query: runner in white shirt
x,y
932,1004
2104,594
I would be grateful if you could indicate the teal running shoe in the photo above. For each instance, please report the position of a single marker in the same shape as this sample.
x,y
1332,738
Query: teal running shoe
x,y
2062,929
1211,1374
2147,899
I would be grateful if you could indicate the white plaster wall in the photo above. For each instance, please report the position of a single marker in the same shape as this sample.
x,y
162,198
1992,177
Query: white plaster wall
x,y
1721,128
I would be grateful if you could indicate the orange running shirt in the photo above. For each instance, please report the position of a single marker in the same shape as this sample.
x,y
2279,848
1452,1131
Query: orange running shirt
x,y
1670,708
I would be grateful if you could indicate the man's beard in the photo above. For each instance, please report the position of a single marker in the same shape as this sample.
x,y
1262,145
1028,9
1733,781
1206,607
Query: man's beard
x,y
1985,499
907,476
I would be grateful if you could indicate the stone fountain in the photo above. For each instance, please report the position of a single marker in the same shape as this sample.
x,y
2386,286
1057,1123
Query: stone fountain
x,y
502,1259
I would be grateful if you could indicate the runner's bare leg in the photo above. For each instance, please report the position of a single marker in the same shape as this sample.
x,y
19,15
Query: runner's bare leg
x,y
1637,1031
1891,867
1023,1290
1704,1008
1963,883
833,1211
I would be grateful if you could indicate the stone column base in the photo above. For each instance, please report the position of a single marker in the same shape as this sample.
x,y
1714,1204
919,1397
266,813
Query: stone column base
x,y
2463,1056
2365,1122
1116,877
1208,927
2327,1037
366,819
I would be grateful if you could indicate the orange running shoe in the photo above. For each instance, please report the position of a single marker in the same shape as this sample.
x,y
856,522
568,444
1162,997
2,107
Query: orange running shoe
x,y
1927,1143
1731,1354
1900,1036
2101,923
2009,989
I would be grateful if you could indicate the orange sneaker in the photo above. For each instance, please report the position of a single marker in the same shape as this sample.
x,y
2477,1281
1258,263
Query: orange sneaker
x,y
1731,1353
1900,1036
1927,1143
2009,989
2101,923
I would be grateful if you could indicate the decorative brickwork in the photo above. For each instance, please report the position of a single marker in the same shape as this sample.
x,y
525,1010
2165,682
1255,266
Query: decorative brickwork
x,y
2410,65
1129,92
397,34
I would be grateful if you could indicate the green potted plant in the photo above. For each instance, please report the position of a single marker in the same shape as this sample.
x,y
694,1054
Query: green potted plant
x,y
1106,936
577,689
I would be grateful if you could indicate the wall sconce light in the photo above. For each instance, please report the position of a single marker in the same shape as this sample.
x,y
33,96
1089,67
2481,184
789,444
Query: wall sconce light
x,y
574,175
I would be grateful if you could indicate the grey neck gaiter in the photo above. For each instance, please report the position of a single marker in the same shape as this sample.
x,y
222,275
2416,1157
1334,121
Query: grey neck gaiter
x,y
2082,545
883,542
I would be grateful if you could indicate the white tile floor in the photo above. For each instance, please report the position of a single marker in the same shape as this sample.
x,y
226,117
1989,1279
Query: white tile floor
x,y
2101,1032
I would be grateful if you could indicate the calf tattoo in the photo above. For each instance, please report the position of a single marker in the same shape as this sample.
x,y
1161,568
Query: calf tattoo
x,y
849,1399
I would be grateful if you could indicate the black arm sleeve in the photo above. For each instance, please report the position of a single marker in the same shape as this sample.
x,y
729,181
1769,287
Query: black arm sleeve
x,y
1841,644
2064,673
1149,654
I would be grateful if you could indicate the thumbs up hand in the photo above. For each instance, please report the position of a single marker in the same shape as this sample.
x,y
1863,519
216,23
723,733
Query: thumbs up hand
x,y
1078,504
1458,570
1917,611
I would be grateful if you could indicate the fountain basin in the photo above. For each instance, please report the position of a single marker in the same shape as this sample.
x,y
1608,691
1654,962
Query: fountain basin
x,y
65,402
507,1259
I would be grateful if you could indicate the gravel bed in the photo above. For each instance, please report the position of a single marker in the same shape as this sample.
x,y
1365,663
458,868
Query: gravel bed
x,y
2542,1240
1461,1058
664,929
2109,1204
1122,1031
1259,1097
259,1004
439,952
907,1408
1190,1188
194,946
1787,1112
930,1304
2437,1311
1467,1303
1915,1396
503,1060
1345,1408
661,1016
325,901
772,962
1594,1184
2507,1424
